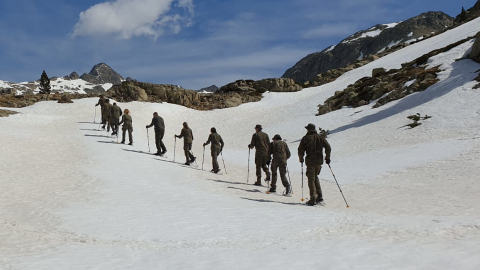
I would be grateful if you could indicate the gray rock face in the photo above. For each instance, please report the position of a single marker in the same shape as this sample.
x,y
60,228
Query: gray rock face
x,y
102,73
97,90
211,89
368,42
475,53
72,76
262,86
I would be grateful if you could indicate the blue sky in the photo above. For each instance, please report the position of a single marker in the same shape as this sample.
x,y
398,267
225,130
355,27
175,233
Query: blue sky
x,y
191,43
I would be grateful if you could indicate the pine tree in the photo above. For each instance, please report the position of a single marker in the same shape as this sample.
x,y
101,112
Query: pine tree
x,y
45,87
462,16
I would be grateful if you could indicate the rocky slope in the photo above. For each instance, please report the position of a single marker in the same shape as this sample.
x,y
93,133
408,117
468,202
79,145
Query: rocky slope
x,y
369,42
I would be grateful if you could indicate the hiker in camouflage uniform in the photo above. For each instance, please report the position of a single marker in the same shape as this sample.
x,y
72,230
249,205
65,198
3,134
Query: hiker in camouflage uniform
x,y
127,126
313,145
261,143
216,148
114,116
187,136
101,102
157,121
279,150
106,113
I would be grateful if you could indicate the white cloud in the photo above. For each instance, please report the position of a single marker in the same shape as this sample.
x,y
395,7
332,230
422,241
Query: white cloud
x,y
129,18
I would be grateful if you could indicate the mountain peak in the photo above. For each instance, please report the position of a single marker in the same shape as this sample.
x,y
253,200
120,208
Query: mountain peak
x,y
102,73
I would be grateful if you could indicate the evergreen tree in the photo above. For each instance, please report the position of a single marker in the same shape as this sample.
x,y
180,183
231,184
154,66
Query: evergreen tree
x,y
45,87
462,16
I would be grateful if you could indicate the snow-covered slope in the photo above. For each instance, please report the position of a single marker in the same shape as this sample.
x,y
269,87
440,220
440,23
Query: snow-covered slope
x,y
71,198
60,85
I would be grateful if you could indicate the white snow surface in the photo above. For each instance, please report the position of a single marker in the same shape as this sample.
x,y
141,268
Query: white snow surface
x,y
71,198
58,85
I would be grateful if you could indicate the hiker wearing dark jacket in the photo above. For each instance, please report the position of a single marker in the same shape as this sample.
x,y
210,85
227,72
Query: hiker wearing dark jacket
x,y
280,152
313,144
261,143
216,148
101,102
115,114
159,126
187,136
127,126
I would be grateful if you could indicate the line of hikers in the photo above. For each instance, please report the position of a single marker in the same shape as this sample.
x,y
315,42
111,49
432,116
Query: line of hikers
x,y
276,152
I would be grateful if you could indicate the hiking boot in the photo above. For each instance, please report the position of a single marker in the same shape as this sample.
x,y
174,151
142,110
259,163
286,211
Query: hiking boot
x,y
163,152
320,201
193,159
187,163
310,203
288,191
131,143
216,171
272,190
258,183
158,154
122,142
212,170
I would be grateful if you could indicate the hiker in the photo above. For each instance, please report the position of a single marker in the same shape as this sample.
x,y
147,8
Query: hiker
x,y
127,126
279,150
114,115
157,121
216,148
261,143
101,102
187,136
106,113
313,145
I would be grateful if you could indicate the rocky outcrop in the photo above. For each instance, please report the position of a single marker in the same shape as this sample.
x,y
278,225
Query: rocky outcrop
x,y
386,86
97,90
138,91
368,42
475,53
469,14
102,73
6,113
72,76
65,98
262,86
20,101
210,89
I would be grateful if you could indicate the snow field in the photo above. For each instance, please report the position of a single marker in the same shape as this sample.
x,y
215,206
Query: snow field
x,y
74,199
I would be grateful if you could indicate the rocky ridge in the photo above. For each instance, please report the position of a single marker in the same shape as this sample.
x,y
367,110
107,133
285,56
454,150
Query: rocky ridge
x,y
385,86
369,42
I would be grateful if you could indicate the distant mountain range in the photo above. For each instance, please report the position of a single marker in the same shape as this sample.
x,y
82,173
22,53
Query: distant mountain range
x,y
100,78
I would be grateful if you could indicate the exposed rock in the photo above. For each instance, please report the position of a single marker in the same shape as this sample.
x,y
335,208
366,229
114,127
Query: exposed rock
x,y
73,76
96,90
384,87
378,71
102,73
470,14
475,53
210,89
361,45
65,99
261,86
6,113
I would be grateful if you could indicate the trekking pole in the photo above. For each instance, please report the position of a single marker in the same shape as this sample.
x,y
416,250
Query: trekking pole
x,y
302,184
221,153
248,176
174,148
95,119
338,186
203,159
148,140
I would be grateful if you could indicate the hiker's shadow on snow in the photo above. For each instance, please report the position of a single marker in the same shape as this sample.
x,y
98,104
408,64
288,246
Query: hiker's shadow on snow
x,y
98,136
107,142
89,123
90,129
269,201
247,190
455,80
226,182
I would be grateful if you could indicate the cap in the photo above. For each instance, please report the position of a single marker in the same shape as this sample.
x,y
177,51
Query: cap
x,y
310,127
